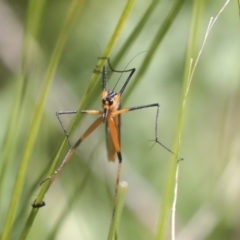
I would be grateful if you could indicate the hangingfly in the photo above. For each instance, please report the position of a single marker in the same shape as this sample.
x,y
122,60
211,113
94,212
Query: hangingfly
x,y
110,115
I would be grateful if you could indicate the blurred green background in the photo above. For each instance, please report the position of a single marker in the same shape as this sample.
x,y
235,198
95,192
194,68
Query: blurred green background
x,y
79,203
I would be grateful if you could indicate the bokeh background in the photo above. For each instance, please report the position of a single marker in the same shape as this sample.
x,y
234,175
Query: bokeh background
x,y
79,203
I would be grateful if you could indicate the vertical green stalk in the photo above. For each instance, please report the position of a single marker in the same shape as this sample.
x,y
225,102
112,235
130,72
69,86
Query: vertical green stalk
x,y
34,127
118,211
165,207
135,33
31,31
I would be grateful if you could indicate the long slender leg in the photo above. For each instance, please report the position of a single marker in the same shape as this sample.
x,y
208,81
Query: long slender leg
x,y
87,132
72,112
69,154
104,78
156,122
61,123
114,136
104,74
92,127
132,70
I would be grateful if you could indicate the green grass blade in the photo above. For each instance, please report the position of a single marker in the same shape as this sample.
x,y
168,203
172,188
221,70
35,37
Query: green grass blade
x,y
13,127
10,137
34,127
118,211
136,32
31,30
165,206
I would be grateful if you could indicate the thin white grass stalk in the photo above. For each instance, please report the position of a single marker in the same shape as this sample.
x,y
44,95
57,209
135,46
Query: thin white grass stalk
x,y
191,72
188,82
175,202
209,28
173,220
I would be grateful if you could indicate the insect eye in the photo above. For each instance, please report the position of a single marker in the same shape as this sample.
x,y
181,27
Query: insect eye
x,y
108,101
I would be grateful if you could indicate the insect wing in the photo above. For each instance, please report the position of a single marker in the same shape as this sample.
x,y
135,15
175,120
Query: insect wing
x,y
111,151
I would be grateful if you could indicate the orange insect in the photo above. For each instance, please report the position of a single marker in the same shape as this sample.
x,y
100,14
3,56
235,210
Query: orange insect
x,y
110,115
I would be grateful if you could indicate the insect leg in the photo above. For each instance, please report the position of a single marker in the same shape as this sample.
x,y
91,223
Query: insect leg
x,y
70,152
92,127
72,112
156,122
132,70
61,123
